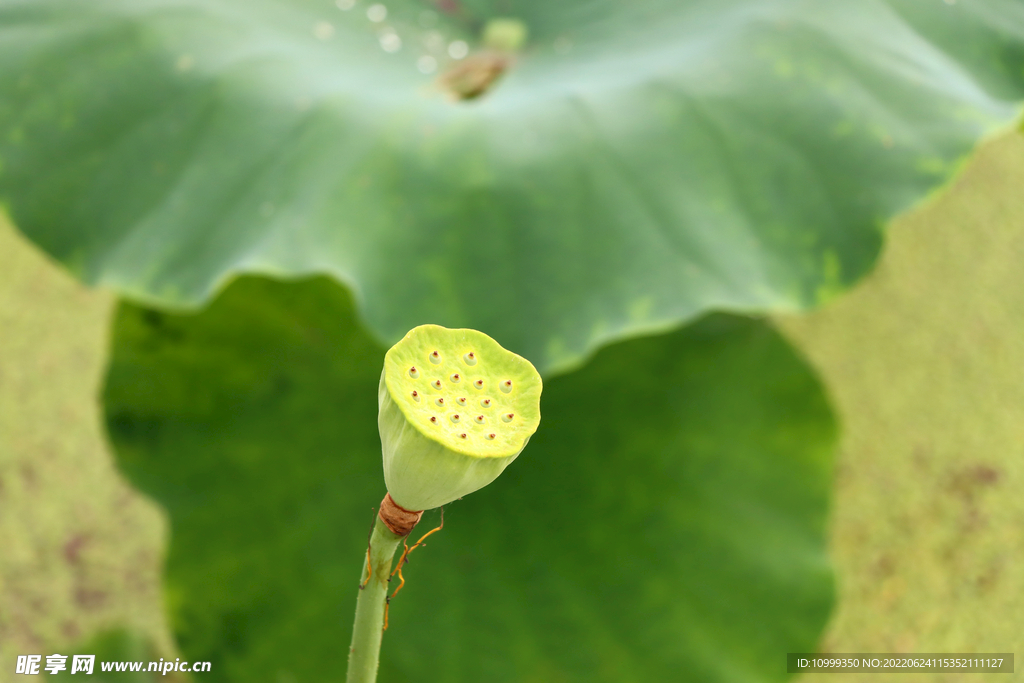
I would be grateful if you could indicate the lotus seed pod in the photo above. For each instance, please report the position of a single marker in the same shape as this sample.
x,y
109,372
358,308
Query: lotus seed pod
x,y
433,452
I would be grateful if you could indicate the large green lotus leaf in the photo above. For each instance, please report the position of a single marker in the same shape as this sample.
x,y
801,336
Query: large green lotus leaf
x,y
642,161
666,522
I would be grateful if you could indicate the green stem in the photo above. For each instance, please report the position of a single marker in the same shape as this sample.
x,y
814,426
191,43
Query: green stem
x,y
364,655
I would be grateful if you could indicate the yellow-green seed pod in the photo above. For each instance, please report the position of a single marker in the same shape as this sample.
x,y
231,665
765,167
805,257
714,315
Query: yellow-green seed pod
x,y
454,410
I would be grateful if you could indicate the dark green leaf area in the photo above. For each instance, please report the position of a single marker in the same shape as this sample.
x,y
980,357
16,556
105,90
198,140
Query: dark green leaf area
x,y
666,522
639,164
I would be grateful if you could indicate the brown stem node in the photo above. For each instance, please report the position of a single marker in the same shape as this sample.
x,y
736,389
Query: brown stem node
x,y
397,518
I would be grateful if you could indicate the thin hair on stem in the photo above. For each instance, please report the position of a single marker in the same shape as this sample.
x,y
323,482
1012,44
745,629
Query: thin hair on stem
x,y
402,560
369,538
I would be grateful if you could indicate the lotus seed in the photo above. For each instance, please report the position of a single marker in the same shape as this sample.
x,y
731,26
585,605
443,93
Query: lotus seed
x,y
507,417
456,418
491,436
437,383
486,403
470,358
461,401
455,377
462,435
479,384
433,419
479,419
506,386
435,358
416,396
439,401
413,372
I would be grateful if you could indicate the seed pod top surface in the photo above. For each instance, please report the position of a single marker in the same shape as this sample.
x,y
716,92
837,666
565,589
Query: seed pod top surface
x,y
461,389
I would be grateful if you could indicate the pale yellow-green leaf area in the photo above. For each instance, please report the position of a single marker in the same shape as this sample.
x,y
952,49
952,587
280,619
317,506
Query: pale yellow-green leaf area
x,y
925,365
80,551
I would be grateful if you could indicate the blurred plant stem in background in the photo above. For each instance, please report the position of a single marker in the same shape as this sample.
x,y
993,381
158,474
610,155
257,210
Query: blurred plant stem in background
x,y
922,361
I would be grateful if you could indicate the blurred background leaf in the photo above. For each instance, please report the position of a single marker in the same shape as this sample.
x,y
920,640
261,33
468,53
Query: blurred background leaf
x,y
640,163
665,523
922,363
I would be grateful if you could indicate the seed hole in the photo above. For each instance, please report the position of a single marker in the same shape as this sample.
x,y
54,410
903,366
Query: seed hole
x,y
470,358
479,419
456,378
506,386
414,373
507,417
435,358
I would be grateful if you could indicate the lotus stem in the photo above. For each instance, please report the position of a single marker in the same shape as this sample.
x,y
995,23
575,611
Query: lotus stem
x,y
364,654
454,410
